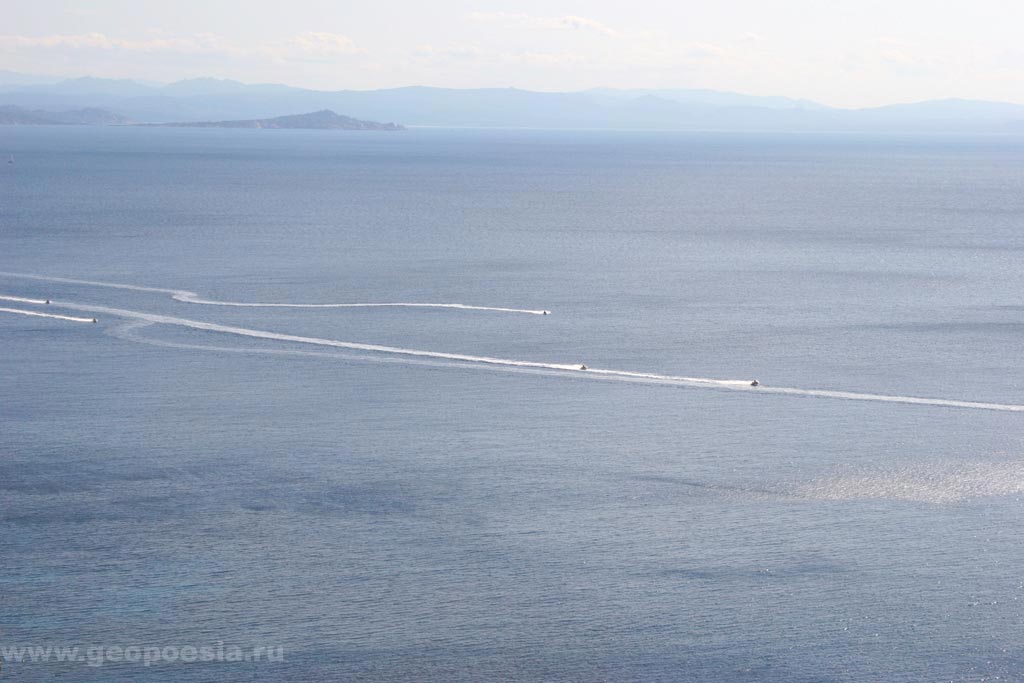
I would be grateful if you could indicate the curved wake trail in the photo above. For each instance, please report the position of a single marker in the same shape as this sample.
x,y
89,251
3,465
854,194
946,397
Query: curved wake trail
x,y
561,369
54,316
188,297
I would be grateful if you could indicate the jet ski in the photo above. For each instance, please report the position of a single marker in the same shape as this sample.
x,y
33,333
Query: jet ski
x,y
583,367
755,383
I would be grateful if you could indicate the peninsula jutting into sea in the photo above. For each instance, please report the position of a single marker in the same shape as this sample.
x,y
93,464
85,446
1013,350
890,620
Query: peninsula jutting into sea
x,y
325,119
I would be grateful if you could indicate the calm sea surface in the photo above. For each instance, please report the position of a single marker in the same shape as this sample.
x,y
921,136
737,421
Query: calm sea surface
x,y
386,516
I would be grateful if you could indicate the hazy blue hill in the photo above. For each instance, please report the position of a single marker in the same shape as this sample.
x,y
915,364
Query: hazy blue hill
x,y
16,116
11,115
709,97
99,86
92,117
203,86
949,109
317,120
194,87
496,107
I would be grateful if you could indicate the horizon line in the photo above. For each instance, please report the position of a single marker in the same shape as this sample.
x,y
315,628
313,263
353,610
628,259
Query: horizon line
x,y
155,84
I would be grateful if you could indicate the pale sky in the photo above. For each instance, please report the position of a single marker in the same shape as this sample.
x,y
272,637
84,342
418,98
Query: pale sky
x,y
839,52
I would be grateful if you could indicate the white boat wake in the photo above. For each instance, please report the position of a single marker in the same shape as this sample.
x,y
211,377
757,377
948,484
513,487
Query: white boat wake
x,y
188,297
575,370
23,300
37,314
128,331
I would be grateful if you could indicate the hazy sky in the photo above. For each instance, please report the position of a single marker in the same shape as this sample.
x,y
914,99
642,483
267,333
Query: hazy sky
x,y
836,51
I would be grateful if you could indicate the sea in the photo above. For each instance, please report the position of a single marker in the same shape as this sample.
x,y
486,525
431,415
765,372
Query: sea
x,y
231,476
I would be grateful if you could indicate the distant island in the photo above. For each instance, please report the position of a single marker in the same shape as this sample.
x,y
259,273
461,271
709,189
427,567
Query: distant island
x,y
325,119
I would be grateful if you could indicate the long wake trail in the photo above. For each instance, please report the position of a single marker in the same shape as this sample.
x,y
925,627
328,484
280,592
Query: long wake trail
x,y
54,316
188,297
563,369
575,370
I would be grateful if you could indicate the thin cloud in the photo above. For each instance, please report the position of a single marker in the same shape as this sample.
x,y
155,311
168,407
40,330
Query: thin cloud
x,y
199,44
470,52
311,45
706,51
567,22
324,44
474,54
548,58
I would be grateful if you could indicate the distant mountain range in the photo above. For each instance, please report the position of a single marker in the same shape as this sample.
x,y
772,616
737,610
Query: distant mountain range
x,y
206,99
318,120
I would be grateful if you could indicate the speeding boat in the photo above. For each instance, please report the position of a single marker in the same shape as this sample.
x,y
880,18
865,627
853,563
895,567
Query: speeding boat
x,y
755,383
583,367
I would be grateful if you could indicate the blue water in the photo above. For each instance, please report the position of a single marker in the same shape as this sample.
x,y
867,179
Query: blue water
x,y
386,517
